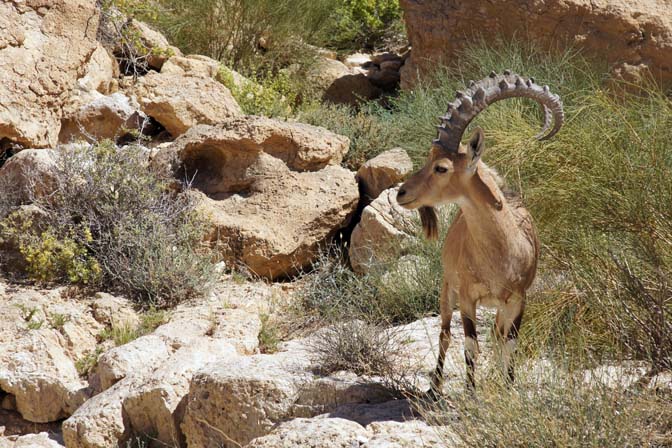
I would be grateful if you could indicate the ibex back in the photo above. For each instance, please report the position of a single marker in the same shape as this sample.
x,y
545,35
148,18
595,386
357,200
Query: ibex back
x,y
491,250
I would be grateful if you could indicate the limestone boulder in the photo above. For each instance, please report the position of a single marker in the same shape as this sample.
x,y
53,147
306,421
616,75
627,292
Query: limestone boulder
x,y
39,440
114,311
157,407
191,65
179,102
250,173
325,71
100,73
139,355
100,422
384,171
352,90
106,117
316,433
381,233
627,34
41,337
43,49
391,424
242,398
155,44
30,174
231,402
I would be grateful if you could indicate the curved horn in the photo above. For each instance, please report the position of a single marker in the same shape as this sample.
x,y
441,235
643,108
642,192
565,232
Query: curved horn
x,y
479,95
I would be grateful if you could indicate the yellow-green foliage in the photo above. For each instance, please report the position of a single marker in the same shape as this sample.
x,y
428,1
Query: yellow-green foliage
x,y
358,24
50,258
271,96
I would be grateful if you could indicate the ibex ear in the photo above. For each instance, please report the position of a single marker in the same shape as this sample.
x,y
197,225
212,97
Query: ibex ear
x,y
488,187
475,147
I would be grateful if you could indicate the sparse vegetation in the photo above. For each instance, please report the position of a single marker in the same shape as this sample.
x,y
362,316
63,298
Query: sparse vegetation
x,y
114,223
57,320
269,337
123,333
555,408
88,361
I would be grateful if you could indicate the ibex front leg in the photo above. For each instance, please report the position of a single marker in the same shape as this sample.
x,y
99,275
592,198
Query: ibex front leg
x,y
468,313
446,303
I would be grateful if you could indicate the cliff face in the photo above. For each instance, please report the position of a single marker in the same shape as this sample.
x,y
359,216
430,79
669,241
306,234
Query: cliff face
x,y
631,36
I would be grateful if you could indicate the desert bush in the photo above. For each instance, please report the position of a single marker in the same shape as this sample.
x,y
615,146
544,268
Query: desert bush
x,y
554,408
119,31
363,24
270,96
358,347
395,290
114,224
241,33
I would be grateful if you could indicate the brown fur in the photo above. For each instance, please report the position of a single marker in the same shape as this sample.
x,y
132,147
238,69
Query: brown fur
x,y
490,251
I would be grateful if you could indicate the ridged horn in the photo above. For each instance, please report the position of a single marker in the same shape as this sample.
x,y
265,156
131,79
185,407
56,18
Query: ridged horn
x,y
479,95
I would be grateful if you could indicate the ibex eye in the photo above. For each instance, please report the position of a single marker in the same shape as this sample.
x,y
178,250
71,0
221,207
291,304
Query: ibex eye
x,y
440,169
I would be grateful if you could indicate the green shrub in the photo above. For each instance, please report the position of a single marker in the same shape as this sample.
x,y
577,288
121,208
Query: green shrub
x,y
115,224
363,24
241,33
272,96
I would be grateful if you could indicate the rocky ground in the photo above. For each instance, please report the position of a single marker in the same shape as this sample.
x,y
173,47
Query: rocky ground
x,y
199,378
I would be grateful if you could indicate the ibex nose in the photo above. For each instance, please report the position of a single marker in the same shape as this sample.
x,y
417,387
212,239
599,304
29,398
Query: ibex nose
x,y
401,192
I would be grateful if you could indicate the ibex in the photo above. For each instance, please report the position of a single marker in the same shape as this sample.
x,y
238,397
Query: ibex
x,y
490,252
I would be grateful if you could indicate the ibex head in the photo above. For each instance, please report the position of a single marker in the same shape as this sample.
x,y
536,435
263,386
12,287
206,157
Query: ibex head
x,y
452,165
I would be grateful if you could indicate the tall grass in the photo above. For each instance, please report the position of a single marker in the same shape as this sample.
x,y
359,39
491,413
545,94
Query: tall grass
x,y
555,409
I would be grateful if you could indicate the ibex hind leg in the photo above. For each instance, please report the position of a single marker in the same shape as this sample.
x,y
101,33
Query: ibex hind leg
x,y
471,351
507,327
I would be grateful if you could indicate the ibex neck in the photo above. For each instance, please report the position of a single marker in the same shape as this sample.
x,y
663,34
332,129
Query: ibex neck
x,y
487,224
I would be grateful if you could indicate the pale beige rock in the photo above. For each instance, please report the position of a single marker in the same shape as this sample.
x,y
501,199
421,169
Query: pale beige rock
x,y
384,171
315,433
106,117
231,402
157,46
238,400
191,65
136,357
179,102
37,357
157,407
381,232
40,440
357,59
31,173
36,369
412,433
100,72
114,311
636,33
43,49
249,173
99,422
